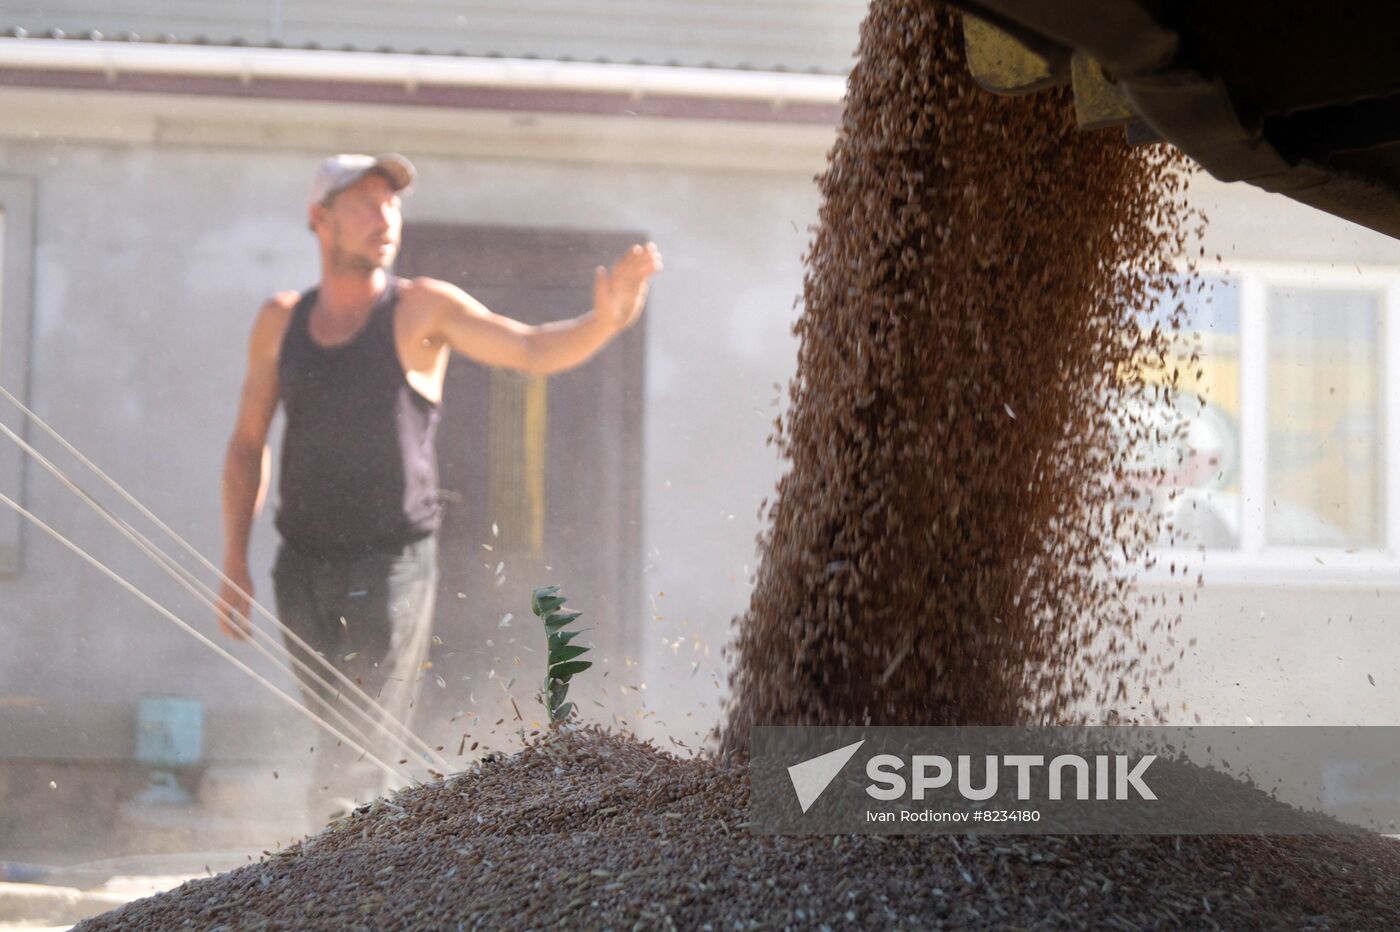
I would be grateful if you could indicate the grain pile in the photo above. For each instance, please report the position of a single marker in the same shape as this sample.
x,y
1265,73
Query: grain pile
x,y
598,831
938,548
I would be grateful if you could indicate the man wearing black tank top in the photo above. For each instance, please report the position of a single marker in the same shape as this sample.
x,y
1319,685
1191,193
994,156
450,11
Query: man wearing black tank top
x,y
357,363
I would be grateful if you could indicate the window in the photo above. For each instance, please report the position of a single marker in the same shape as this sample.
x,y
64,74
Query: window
x,y
16,299
1283,462
1323,384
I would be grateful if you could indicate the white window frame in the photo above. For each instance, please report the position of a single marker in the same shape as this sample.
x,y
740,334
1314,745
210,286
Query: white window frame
x,y
16,311
1256,563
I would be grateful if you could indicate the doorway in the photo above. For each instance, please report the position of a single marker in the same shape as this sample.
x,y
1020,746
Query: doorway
x,y
540,478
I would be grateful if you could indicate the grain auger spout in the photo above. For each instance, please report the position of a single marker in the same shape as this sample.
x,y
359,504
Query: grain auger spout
x,y
1301,99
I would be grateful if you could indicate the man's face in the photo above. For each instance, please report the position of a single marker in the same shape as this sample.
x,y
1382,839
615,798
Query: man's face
x,y
362,224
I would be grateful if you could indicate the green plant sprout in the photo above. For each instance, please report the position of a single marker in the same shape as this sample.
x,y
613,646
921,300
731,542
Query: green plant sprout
x,y
562,662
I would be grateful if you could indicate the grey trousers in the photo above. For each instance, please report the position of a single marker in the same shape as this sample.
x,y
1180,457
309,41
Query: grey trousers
x,y
371,615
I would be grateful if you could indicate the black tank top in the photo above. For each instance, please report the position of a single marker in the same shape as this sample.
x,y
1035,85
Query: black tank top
x,y
359,467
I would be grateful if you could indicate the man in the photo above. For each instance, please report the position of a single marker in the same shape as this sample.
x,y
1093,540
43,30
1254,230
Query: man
x,y
358,364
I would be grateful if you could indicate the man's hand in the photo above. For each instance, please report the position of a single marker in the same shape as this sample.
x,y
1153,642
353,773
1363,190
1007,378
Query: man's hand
x,y
232,607
618,295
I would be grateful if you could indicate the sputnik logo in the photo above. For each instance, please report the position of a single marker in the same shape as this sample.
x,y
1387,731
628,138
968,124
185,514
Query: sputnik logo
x,y
811,777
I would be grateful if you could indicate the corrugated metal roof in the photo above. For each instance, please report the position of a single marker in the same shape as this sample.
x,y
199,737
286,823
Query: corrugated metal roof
x,y
791,35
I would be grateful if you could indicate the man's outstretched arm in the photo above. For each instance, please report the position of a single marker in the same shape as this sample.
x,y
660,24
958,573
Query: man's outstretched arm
x,y
469,328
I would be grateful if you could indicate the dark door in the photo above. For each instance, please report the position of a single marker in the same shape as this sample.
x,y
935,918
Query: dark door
x,y
541,479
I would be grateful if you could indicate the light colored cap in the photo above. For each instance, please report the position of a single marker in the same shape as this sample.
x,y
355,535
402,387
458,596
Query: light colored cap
x,y
339,172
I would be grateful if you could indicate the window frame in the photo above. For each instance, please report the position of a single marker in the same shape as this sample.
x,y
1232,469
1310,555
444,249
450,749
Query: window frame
x,y
1257,563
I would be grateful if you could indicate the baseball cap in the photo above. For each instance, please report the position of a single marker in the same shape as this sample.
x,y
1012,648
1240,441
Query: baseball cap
x,y
339,172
